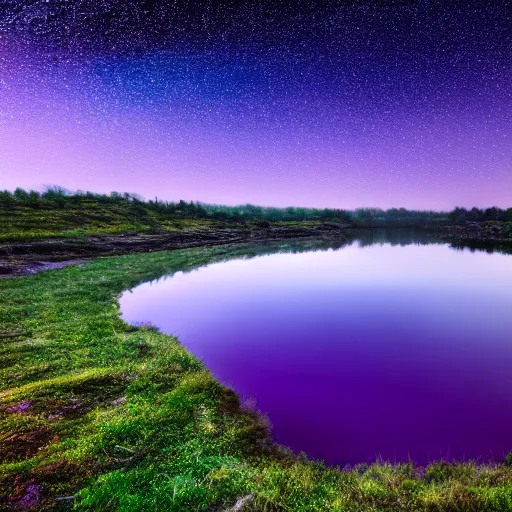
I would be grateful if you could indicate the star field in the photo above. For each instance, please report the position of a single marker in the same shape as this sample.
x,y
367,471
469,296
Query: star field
x,y
340,104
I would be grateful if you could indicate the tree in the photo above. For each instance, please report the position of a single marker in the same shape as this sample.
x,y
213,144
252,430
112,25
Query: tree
x,y
20,195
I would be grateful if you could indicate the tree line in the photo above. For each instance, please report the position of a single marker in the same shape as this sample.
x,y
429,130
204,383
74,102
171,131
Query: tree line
x,y
57,197
459,215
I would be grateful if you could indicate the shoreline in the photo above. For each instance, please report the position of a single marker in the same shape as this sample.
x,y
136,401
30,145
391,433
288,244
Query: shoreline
x,y
25,257
28,257
94,408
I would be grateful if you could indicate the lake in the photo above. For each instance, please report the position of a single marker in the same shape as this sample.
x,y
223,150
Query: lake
x,y
371,350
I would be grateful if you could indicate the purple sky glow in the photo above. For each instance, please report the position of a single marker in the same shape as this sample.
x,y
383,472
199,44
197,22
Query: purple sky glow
x,y
355,105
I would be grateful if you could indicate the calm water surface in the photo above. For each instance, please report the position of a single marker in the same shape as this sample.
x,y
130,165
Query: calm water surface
x,y
391,351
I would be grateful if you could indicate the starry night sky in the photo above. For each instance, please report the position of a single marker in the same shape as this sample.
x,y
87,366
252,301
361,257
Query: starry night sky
x,y
338,104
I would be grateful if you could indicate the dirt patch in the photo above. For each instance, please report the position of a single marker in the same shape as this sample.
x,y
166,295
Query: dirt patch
x,y
46,485
25,444
22,268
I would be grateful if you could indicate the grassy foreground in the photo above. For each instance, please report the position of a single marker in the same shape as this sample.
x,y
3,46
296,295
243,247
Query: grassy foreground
x,y
124,418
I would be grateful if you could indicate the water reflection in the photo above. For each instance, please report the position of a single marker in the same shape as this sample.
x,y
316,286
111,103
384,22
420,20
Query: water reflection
x,y
384,346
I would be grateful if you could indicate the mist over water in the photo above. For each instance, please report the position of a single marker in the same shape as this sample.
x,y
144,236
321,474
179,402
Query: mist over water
x,y
365,351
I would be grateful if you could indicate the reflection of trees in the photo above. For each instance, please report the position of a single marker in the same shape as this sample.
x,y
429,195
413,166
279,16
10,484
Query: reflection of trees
x,y
200,257
409,236
365,238
482,246
400,236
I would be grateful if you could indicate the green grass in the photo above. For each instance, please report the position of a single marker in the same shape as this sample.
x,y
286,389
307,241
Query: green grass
x,y
90,218
124,418
23,223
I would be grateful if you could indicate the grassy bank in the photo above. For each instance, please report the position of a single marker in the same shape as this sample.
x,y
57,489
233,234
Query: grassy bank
x,y
31,215
89,218
124,418
56,212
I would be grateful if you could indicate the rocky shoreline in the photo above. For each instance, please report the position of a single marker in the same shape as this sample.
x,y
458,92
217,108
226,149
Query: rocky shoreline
x,y
479,235
488,231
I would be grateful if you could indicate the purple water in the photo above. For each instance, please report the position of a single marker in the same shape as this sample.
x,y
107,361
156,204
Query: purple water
x,y
398,352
